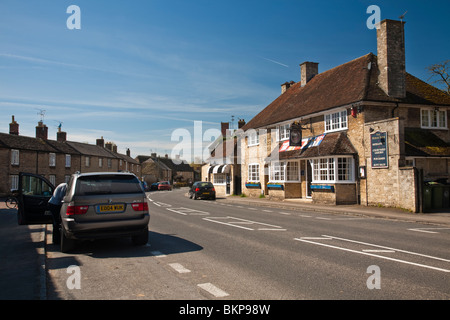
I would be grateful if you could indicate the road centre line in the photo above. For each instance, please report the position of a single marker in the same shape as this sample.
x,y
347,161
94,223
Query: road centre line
x,y
179,268
308,240
212,289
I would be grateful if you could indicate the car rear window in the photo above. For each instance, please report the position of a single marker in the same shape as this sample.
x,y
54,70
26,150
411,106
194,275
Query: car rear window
x,y
107,184
205,184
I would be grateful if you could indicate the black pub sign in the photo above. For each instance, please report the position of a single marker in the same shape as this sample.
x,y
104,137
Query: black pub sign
x,y
379,149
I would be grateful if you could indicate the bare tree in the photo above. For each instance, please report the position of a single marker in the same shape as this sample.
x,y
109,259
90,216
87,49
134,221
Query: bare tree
x,y
440,72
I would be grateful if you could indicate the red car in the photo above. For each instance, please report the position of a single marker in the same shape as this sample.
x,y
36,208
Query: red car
x,y
164,185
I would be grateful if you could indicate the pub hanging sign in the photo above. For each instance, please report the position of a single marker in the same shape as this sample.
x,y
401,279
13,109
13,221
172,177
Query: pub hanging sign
x,y
379,149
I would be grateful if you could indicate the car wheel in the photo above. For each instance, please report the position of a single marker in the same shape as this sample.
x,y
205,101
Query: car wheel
x,y
66,243
195,197
190,195
140,239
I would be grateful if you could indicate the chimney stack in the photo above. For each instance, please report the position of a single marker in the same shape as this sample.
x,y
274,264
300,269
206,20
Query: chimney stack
x,y
307,71
128,152
286,86
224,126
101,142
61,136
241,123
391,58
41,131
14,127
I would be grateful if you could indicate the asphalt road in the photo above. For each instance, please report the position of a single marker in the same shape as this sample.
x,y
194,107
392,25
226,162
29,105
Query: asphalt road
x,y
218,250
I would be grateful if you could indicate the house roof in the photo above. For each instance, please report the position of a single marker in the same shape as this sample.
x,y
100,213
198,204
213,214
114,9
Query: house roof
x,y
424,143
91,149
343,85
25,143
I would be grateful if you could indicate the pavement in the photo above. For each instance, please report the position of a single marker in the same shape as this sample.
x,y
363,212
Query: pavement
x,y
22,256
438,217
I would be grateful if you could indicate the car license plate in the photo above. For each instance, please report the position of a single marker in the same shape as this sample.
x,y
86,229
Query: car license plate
x,y
111,208
205,192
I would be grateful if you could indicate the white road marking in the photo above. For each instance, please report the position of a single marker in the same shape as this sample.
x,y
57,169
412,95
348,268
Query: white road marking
x,y
212,289
427,230
179,268
187,211
237,223
158,254
308,240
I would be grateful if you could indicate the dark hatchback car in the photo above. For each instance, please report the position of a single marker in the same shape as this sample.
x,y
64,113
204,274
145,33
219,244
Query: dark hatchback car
x,y
202,189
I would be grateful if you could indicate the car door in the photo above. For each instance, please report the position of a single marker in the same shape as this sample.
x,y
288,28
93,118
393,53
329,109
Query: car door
x,y
34,193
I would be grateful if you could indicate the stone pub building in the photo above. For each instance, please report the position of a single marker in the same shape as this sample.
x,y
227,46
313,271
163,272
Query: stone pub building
x,y
371,133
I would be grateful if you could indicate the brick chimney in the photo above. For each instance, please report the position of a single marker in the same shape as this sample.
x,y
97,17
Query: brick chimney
x,y
101,142
224,126
41,131
14,127
128,152
307,71
391,58
61,136
241,123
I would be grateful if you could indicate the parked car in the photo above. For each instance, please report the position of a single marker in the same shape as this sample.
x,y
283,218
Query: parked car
x,y
96,205
164,185
154,186
202,189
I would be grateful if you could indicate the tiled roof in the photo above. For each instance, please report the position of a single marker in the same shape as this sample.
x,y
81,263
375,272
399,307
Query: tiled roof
x,y
343,85
91,149
421,142
24,143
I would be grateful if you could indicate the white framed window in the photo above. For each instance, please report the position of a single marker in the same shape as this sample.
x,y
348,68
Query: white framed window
x,y
336,169
253,138
277,171
14,182
100,162
220,178
433,118
15,157
293,171
253,172
87,161
109,163
284,171
67,178
52,179
336,121
283,132
68,160
52,159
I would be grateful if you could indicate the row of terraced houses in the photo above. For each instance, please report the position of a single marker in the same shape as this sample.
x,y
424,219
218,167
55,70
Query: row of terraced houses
x,y
57,159
371,134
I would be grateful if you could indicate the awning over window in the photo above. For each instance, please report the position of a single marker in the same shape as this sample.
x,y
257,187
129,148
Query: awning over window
x,y
219,169
330,144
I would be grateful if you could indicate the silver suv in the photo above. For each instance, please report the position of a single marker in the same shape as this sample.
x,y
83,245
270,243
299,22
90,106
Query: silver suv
x,y
102,205
96,205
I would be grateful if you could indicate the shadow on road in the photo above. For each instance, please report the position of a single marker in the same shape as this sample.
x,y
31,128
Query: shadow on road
x,y
123,248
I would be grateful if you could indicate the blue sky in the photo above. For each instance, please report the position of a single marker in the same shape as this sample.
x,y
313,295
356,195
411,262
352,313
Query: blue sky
x,y
137,71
